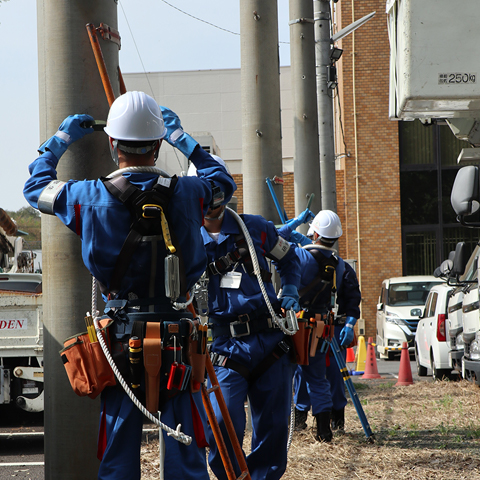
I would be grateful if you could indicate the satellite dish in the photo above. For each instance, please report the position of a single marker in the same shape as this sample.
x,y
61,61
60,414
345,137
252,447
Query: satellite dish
x,y
353,26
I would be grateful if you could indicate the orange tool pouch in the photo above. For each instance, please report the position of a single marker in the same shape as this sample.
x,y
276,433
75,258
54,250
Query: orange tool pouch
x,y
317,333
152,361
85,363
301,340
197,357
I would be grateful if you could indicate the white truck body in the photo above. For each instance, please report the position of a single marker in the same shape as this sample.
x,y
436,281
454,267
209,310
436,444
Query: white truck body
x,y
21,342
434,76
21,322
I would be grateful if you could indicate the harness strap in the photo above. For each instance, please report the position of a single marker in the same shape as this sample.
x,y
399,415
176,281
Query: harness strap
x,y
251,376
241,254
325,269
147,209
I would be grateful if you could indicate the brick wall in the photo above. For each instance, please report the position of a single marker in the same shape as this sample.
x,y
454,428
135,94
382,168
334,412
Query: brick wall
x,y
377,156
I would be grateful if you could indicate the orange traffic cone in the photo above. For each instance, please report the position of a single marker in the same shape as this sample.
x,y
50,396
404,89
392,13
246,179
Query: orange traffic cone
x,y
350,355
405,372
371,370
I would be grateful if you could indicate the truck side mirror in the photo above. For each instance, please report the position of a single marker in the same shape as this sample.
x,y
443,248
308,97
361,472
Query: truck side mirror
x,y
379,306
464,196
416,312
460,260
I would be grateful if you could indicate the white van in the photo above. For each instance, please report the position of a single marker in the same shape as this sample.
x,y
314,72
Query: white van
x,y
401,303
431,349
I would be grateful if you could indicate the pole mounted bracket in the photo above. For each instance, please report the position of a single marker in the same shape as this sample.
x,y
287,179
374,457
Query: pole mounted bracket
x,y
109,33
301,20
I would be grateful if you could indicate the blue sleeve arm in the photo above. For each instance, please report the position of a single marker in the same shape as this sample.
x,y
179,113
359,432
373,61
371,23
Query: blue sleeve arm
x,y
293,236
42,172
288,266
210,169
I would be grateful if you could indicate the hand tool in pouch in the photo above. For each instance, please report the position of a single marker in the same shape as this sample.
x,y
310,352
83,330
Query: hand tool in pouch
x,y
317,333
152,360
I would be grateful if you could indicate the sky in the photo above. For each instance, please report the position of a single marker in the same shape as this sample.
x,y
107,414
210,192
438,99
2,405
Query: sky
x,y
151,42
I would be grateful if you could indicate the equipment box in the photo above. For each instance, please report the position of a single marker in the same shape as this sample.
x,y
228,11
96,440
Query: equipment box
x,y
434,60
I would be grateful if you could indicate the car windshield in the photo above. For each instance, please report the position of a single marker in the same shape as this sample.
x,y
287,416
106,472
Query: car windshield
x,y
408,294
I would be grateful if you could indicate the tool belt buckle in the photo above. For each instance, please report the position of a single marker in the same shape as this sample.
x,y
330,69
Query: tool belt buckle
x,y
240,328
284,346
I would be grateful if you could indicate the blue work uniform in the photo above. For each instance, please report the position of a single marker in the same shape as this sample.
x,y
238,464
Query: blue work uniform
x,y
270,393
317,385
103,222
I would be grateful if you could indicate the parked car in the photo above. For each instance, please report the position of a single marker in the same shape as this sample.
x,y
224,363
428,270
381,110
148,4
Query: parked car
x,y
454,327
401,303
431,349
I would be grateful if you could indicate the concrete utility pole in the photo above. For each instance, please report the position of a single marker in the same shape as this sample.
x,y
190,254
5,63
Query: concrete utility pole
x,y
69,83
260,86
322,18
305,116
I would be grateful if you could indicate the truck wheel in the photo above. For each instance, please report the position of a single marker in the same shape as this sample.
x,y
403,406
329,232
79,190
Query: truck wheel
x,y
421,370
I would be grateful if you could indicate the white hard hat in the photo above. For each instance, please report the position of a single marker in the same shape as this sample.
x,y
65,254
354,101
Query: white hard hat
x,y
192,170
327,225
136,117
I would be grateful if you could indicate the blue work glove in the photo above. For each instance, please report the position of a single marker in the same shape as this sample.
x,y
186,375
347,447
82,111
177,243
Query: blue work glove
x,y
289,298
175,134
68,132
304,217
346,335
298,238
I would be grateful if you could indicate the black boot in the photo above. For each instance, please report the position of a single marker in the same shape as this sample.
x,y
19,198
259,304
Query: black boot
x,y
324,434
300,420
338,420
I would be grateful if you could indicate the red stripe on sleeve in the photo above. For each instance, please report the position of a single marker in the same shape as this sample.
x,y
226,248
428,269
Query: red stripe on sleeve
x,y
78,224
263,237
201,210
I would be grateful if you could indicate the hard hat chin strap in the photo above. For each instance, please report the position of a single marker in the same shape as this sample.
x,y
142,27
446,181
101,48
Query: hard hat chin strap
x,y
114,150
219,216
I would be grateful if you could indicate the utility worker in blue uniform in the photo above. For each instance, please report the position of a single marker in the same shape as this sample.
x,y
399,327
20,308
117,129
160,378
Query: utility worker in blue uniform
x,y
249,352
136,126
320,383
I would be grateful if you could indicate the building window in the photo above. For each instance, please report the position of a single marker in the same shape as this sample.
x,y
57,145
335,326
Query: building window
x,y
428,166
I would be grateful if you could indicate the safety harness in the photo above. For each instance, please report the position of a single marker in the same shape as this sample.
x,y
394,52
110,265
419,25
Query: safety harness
x,y
148,211
318,300
257,321
241,254
165,337
319,295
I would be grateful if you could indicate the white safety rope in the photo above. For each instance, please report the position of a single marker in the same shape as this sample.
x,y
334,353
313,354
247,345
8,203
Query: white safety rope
x,y
156,170
176,434
256,269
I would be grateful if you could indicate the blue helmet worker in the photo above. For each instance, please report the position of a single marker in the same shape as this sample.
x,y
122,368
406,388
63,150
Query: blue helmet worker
x,y
319,383
250,352
104,214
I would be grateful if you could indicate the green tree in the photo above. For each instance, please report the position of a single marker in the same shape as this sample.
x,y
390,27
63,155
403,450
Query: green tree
x,y
28,220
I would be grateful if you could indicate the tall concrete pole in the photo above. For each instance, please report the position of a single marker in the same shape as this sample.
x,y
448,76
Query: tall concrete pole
x,y
322,17
69,83
260,86
305,116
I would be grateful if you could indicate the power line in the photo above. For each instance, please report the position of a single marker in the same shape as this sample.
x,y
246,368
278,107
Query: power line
x,y
204,21
199,19
136,47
